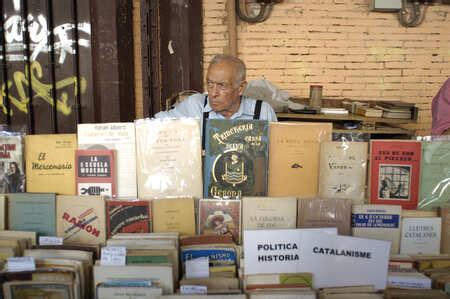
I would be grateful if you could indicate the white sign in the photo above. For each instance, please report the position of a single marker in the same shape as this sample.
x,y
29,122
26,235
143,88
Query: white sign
x,y
193,289
197,268
333,260
25,263
113,256
47,240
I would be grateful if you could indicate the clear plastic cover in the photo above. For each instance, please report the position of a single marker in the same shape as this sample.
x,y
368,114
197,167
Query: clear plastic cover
x,y
169,162
12,174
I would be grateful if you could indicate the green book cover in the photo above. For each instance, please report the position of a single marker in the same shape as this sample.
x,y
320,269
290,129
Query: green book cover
x,y
147,259
236,156
32,212
434,191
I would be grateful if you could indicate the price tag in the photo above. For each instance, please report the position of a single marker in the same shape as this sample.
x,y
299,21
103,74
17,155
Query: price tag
x,y
25,263
53,241
113,256
193,289
197,268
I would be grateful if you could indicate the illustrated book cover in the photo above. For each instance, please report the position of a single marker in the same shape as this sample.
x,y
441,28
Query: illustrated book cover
x,y
12,174
127,216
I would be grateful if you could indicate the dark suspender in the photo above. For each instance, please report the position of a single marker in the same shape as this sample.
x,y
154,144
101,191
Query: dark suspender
x,y
256,115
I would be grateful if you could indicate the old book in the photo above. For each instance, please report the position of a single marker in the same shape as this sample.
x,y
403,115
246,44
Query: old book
x,y
32,212
342,172
214,283
205,239
419,213
50,163
380,222
220,217
435,165
81,219
119,137
421,235
169,160
294,157
283,294
397,293
30,236
221,296
95,172
410,280
12,174
318,212
395,172
236,154
269,212
369,112
125,290
278,281
38,289
444,213
174,215
127,217
2,212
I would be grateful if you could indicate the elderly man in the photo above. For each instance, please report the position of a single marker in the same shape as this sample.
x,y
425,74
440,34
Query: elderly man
x,y
225,81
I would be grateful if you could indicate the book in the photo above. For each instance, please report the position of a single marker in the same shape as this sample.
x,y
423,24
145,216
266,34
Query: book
x,y
368,111
318,213
81,219
119,137
127,217
380,222
421,235
105,291
294,157
50,163
95,172
283,294
37,289
235,163
342,170
12,174
32,212
221,296
444,213
174,215
2,212
395,172
410,280
397,293
278,281
269,213
30,236
169,159
220,217
435,172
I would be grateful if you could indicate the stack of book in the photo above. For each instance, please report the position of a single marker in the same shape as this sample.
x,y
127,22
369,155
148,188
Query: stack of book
x,y
397,109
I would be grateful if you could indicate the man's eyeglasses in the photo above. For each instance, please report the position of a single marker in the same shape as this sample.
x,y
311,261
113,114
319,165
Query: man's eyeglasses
x,y
220,85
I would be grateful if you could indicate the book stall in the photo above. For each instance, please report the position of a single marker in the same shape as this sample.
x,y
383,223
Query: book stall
x,y
271,210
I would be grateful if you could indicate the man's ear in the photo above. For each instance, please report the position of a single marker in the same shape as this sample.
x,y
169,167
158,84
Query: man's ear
x,y
242,87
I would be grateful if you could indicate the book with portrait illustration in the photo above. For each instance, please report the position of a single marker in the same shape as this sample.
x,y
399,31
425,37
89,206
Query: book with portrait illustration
x,y
220,217
12,174
395,172
236,158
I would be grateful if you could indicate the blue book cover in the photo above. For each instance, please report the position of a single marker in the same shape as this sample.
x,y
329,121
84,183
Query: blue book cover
x,y
236,158
217,256
32,212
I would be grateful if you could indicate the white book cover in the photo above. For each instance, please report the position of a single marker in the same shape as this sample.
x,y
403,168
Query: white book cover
x,y
410,280
169,158
379,222
421,235
119,137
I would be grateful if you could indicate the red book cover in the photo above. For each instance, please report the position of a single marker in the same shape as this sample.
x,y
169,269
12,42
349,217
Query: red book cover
x,y
127,217
95,172
395,172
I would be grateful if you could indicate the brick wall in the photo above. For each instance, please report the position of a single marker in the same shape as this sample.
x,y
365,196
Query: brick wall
x,y
339,44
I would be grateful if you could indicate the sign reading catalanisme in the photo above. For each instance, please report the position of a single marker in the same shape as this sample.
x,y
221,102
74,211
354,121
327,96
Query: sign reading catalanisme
x,y
236,158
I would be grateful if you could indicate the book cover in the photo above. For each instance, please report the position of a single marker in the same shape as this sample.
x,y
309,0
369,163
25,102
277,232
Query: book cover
x,y
434,191
380,222
127,217
294,157
395,172
269,213
220,217
50,163
444,213
236,153
38,289
81,219
127,292
95,172
342,170
409,280
317,212
174,215
114,136
12,174
169,159
421,235
32,212
2,212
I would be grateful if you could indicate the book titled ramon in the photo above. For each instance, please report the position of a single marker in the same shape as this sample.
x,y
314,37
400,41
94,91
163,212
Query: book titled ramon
x,y
236,158
395,172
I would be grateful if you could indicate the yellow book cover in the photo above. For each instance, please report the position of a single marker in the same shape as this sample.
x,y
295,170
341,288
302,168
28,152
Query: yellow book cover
x,y
81,219
50,163
174,215
2,212
294,151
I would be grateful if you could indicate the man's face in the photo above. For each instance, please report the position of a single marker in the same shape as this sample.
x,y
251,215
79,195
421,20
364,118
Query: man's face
x,y
223,91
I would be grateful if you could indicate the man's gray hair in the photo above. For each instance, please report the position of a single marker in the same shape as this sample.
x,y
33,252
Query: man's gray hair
x,y
237,63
